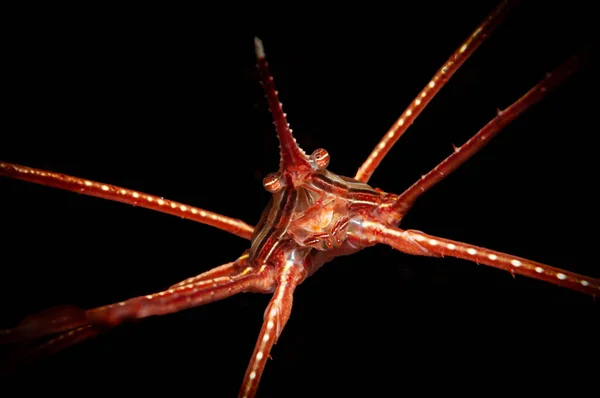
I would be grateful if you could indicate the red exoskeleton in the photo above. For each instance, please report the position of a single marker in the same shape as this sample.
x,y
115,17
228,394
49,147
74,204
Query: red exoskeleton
x,y
316,229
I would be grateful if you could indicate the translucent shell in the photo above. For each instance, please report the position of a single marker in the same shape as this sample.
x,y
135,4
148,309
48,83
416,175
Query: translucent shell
x,y
320,221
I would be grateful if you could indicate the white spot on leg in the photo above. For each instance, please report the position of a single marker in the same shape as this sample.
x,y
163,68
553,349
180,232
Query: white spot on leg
x,y
493,257
270,325
451,246
266,338
252,375
471,251
561,276
433,242
585,283
259,356
539,270
105,187
516,263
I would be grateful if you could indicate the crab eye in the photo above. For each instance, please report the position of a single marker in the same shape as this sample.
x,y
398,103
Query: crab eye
x,y
320,158
272,183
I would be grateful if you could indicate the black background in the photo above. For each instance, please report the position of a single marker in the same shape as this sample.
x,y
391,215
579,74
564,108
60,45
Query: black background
x,y
166,101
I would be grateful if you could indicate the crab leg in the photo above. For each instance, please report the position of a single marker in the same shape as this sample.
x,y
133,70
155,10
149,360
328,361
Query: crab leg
x,y
276,315
128,196
441,77
483,136
74,324
416,242
236,267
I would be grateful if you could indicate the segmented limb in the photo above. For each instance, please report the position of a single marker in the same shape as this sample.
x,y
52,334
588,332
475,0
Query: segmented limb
x,y
180,298
229,269
47,322
461,154
416,242
49,347
64,340
276,316
441,77
75,324
128,196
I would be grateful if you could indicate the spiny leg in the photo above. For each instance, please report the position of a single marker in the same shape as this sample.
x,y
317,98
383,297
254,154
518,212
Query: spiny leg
x,y
419,243
236,267
180,298
441,77
47,322
71,322
128,196
276,316
463,153
33,350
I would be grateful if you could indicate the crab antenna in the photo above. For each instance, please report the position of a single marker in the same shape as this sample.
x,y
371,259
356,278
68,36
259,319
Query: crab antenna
x,y
291,154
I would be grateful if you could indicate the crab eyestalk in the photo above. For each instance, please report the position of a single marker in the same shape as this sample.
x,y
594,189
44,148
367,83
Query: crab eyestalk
x,y
292,156
272,183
